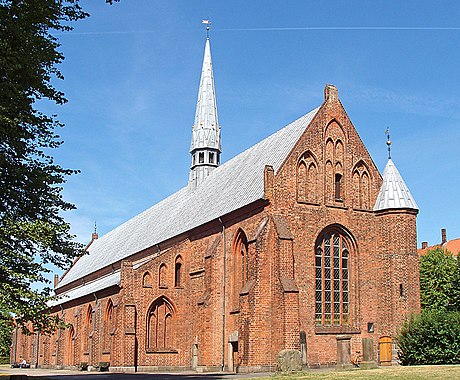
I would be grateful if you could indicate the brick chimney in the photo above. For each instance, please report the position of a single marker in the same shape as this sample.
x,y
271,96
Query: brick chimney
x,y
331,93
94,236
56,280
443,236
424,244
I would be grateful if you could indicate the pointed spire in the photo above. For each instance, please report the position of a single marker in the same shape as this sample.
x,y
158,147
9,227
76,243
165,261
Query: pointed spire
x,y
205,147
394,193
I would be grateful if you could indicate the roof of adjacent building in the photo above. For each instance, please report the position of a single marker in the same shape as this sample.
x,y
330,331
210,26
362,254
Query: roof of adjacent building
x,y
235,184
394,194
452,246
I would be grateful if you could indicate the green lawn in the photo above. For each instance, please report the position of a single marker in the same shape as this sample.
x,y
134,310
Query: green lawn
x,y
444,372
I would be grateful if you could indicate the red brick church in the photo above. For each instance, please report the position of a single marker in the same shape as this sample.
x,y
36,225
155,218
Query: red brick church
x,y
297,245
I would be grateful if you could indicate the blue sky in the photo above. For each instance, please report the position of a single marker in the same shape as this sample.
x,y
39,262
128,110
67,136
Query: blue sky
x,y
132,72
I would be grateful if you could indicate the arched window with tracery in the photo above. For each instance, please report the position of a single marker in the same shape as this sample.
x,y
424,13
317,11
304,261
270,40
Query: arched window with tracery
x,y
332,275
240,265
162,276
108,327
178,272
160,327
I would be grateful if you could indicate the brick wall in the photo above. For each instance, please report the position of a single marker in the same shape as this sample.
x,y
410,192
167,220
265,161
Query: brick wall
x,y
327,183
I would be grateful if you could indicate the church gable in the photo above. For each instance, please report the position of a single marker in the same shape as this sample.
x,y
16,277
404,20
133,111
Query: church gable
x,y
329,165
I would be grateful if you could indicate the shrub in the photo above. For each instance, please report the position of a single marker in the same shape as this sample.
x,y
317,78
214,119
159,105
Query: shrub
x,y
432,337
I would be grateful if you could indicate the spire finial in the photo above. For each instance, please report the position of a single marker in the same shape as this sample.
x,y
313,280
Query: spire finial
x,y
95,227
208,26
387,132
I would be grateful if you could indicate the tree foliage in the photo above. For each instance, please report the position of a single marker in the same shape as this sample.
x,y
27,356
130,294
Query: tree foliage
x,y
33,232
440,281
430,338
5,340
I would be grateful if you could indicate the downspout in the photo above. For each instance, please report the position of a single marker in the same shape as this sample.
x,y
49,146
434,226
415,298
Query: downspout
x,y
224,281
93,326
15,345
37,349
58,338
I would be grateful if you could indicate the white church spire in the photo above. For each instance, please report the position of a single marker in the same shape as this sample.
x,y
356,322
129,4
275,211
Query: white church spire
x,y
205,147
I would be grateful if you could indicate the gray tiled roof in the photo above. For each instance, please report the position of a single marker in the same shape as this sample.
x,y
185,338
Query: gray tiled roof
x,y
394,193
91,287
229,187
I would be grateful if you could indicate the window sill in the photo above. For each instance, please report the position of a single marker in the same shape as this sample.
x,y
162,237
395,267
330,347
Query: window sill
x,y
304,202
322,330
162,351
337,206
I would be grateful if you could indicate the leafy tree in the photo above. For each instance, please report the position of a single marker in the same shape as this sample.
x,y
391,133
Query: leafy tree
x,y
5,341
455,289
33,232
439,280
431,337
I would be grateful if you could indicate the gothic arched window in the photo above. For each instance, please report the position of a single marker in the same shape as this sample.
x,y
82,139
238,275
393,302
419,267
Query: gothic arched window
x,y
307,178
68,353
108,327
240,265
162,282
88,329
178,272
147,280
332,273
160,328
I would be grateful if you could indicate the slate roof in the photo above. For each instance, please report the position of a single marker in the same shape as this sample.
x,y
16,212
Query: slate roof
x,y
394,194
233,185
91,287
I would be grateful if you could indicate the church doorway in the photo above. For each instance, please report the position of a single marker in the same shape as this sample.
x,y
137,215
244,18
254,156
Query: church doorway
x,y
232,356
385,350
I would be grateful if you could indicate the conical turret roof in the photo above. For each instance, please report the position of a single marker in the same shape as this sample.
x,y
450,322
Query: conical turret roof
x,y
394,194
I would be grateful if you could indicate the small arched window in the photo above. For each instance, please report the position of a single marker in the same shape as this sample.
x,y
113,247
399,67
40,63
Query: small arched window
x,y
162,282
88,328
178,272
160,326
338,187
332,271
201,157
147,280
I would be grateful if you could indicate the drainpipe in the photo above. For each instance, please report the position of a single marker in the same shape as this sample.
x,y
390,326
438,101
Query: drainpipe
x,y
224,280
93,326
15,345
58,338
37,349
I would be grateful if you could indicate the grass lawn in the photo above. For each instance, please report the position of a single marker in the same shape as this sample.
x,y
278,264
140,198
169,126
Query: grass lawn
x,y
445,372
